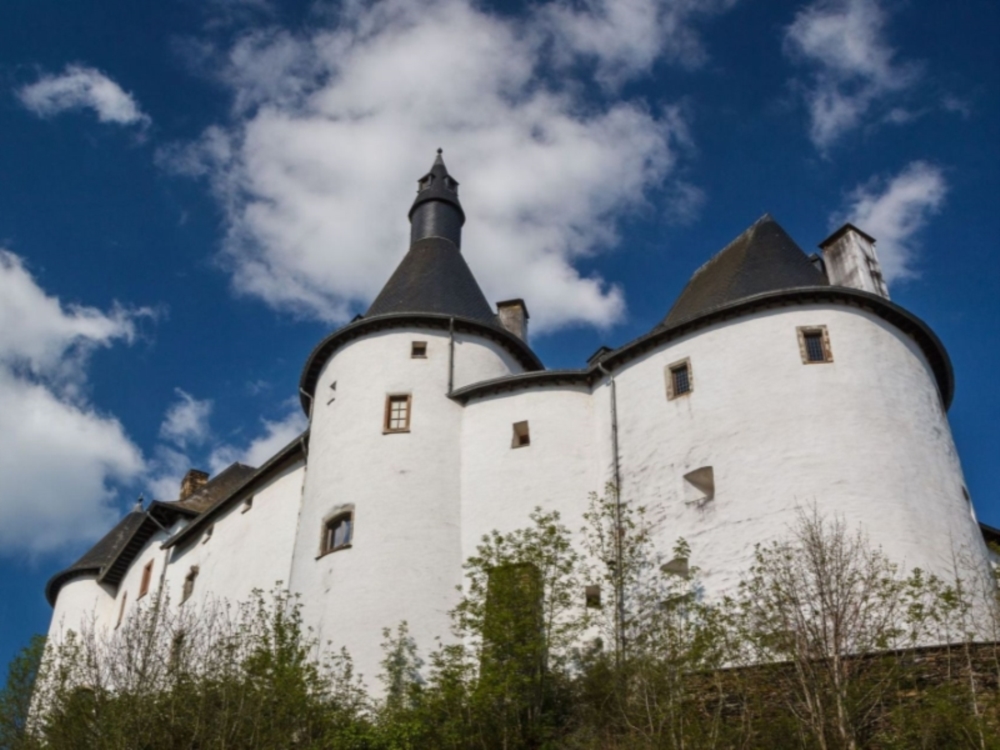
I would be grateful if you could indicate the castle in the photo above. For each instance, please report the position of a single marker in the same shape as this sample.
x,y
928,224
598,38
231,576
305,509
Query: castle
x,y
776,381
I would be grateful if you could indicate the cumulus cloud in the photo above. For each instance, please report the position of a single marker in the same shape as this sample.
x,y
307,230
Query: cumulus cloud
x,y
274,436
894,210
59,456
80,87
855,71
332,127
186,421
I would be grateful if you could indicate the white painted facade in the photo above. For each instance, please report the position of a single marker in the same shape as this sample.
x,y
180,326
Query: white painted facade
x,y
864,436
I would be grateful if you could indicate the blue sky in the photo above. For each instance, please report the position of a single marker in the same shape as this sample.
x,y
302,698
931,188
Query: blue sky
x,y
193,193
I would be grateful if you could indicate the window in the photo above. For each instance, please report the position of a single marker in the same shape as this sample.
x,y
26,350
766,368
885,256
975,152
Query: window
x,y
121,610
247,504
147,575
593,597
699,486
189,580
337,532
397,413
522,437
814,345
418,350
208,533
679,380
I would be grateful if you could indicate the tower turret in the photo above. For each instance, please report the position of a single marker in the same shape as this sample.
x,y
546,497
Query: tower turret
x,y
436,211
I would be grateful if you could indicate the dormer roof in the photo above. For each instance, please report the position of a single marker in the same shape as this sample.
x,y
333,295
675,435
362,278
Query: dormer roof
x,y
763,259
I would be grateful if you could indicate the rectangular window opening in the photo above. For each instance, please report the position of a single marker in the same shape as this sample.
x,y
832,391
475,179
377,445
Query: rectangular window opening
x,y
814,345
593,596
521,437
679,380
189,580
418,350
397,413
147,576
338,532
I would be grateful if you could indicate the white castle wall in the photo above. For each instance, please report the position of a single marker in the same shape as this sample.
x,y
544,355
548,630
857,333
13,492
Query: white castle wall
x,y
82,602
247,550
404,488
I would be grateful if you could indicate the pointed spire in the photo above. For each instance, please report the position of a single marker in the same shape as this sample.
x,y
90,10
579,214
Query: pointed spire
x,y
436,211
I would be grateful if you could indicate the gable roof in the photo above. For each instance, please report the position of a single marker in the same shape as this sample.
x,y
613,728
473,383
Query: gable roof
x,y
434,278
763,259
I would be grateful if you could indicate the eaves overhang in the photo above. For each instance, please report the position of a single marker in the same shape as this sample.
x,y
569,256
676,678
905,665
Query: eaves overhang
x,y
892,313
362,326
280,460
157,517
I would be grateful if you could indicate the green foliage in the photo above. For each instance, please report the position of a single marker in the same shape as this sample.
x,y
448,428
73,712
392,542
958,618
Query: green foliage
x,y
820,647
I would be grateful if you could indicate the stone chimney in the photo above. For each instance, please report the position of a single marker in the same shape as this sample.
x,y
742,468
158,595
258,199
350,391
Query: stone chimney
x,y
850,260
514,317
193,481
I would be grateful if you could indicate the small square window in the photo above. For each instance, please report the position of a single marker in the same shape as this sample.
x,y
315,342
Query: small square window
x,y
147,576
522,437
814,345
247,504
337,532
418,350
397,413
679,380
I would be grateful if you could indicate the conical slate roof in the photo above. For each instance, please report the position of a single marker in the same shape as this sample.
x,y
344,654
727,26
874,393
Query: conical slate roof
x,y
762,259
433,278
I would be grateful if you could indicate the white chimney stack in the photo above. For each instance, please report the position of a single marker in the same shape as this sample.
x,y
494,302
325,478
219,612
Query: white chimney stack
x,y
850,260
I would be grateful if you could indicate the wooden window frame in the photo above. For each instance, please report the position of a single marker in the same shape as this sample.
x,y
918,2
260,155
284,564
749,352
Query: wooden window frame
x,y
147,577
669,375
387,419
325,548
804,331
522,435
418,350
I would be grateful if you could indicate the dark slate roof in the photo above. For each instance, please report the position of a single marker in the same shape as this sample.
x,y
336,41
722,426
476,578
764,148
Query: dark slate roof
x,y
218,488
440,189
763,259
434,278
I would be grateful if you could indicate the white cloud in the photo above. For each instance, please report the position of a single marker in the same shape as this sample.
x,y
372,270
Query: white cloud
x,y
79,87
186,421
331,129
893,211
275,436
855,70
59,457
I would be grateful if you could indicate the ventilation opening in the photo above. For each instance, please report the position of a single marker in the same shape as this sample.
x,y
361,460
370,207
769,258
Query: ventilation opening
x,y
418,350
699,486
522,437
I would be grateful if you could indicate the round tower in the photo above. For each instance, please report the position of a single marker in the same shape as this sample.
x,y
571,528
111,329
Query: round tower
x,y
378,538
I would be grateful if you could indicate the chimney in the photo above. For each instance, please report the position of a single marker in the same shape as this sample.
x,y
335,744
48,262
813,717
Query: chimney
x,y
514,317
193,481
850,260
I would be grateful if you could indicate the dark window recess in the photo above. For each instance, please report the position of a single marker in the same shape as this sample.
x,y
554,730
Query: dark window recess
x,y
593,597
247,504
681,378
189,580
147,576
337,532
521,435
208,533
814,346
418,350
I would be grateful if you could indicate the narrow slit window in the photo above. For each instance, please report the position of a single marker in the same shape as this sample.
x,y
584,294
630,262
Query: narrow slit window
x,y
679,380
397,413
337,532
418,350
522,437
814,345
189,580
121,610
147,576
